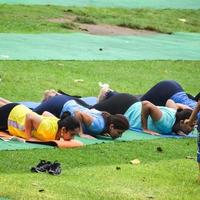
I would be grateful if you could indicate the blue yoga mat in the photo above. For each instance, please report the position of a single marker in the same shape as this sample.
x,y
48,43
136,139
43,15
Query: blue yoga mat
x,y
32,105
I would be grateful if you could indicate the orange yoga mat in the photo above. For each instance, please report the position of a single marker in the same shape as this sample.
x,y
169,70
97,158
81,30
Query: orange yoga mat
x,y
57,143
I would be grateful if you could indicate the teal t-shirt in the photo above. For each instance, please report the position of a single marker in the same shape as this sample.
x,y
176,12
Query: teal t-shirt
x,y
162,126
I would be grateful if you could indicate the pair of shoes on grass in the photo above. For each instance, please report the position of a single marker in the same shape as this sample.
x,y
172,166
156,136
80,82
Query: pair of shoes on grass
x,y
46,166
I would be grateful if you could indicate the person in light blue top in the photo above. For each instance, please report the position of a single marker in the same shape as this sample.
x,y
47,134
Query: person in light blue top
x,y
96,123
162,126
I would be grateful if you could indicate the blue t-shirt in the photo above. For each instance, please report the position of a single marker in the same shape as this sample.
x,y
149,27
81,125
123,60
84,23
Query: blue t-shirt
x,y
98,124
162,126
181,97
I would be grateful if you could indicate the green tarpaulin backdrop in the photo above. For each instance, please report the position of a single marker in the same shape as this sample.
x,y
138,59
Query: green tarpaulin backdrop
x,y
79,46
182,4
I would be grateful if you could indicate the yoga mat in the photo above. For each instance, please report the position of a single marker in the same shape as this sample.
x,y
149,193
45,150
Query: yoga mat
x,y
80,46
127,136
157,4
8,142
14,145
131,136
32,105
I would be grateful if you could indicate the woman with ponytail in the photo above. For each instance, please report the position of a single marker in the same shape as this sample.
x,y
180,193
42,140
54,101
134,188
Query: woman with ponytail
x,y
96,123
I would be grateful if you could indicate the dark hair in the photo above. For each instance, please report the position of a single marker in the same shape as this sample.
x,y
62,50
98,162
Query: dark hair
x,y
69,122
181,115
65,114
119,121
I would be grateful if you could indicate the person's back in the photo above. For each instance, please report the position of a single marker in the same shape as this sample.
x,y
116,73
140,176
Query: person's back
x,y
55,104
162,126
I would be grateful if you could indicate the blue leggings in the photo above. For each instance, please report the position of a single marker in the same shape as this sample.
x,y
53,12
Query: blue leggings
x,y
55,104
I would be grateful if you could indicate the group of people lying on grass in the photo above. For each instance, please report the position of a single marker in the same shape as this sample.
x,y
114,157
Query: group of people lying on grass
x,y
164,109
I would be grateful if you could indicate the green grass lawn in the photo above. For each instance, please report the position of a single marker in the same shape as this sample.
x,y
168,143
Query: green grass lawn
x,y
90,172
99,172
104,172
35,19
26,80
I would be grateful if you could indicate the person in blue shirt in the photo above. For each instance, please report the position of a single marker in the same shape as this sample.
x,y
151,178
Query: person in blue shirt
x,y
96,123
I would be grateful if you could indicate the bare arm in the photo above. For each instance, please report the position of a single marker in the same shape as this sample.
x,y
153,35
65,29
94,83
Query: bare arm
x,y
182,106
84,118
171,104
193,116
3,102
32,121
47,114
149,109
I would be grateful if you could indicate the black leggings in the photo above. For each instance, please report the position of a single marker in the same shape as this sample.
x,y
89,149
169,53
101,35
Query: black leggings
x,y
116,104
4,113
161,92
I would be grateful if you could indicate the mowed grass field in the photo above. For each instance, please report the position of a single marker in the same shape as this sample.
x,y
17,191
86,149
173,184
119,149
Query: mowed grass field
x,y
99,172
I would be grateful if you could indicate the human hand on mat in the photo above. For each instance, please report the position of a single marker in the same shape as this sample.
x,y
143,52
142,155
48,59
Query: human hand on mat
x,y
86,136
151,132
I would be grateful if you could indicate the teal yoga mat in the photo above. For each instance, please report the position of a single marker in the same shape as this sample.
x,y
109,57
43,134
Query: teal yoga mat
x,y
80,46
132,136
14,145
158,4
127,136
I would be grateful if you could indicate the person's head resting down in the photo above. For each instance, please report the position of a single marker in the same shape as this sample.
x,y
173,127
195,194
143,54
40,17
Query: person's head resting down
x,y
115,125
181,127
68,127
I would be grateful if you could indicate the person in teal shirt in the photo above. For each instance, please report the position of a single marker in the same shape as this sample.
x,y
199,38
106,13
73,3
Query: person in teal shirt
x,y
162,126
147,117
